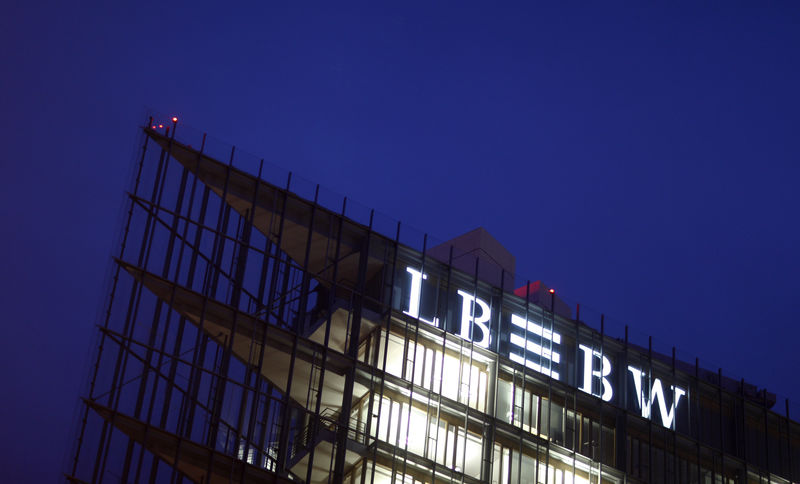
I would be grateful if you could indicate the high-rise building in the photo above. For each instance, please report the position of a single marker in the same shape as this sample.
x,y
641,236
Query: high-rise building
x,y
254,331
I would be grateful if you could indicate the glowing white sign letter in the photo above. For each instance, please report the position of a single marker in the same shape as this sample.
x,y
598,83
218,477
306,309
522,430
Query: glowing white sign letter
x,y
588,372
469,318
656,393
547,352
416,294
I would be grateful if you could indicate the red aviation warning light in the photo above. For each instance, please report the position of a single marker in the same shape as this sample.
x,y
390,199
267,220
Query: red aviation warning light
x,y
552,291
174,119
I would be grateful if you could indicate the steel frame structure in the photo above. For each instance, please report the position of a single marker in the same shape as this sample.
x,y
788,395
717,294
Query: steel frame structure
x,y
253,335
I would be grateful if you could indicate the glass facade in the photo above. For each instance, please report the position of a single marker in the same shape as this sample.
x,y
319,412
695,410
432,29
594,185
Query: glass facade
x,y
253,334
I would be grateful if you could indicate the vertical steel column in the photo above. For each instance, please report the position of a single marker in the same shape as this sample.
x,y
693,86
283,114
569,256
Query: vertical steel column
x,y
721,423
625,397
699,415
487,436
218,249
201,339
189,398
278,259
326,340
301,313
648,392
181,328
147,363
549,390
244,246
268,404
271,294
766,433
382,370
287,399
577,438
352,354
622,417
469,374
438,391
744,428
130,323
156,317
789,440
522,391
219,381
413,366
675,424
602,403
259,378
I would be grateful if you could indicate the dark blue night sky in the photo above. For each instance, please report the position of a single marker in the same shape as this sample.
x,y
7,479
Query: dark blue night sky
x,y
643,160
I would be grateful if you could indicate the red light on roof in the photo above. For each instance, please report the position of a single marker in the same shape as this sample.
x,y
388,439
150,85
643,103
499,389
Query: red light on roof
x,y
552,291
174,119
160,125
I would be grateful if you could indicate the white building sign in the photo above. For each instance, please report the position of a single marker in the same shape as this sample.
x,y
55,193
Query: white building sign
x,y
539,348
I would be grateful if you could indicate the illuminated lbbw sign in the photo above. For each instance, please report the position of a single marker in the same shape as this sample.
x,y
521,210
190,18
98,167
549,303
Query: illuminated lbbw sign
x,y
540,349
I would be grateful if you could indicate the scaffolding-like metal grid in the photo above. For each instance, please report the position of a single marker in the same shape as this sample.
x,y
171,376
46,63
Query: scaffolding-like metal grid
x,y
254,335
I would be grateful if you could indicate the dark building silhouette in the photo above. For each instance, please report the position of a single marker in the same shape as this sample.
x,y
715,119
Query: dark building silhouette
x,y
253,334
